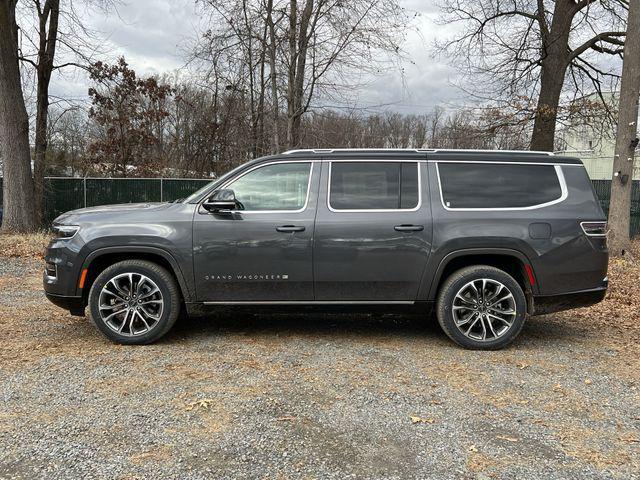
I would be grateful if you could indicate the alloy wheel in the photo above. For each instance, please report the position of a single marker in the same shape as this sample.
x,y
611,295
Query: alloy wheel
x,y
131,304
484,309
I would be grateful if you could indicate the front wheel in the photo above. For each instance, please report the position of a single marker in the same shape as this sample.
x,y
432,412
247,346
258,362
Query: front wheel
x,y
481,307
134,302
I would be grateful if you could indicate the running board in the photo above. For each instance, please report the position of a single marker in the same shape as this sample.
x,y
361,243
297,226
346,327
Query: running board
x,y
317,302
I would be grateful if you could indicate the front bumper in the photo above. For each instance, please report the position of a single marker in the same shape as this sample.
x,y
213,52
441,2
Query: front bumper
x,y
61,274
75,305
544,304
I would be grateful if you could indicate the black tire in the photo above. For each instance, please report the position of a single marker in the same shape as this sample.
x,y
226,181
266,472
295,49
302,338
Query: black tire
x,y
458,281
170,298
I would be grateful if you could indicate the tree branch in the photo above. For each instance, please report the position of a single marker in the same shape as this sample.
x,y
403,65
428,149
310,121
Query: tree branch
x,y
592,43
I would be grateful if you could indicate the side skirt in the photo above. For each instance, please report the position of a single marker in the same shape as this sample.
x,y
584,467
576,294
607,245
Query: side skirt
x,y
196,309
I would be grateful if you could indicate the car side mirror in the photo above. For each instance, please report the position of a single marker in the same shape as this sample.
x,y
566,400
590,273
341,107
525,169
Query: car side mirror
x,y
221,202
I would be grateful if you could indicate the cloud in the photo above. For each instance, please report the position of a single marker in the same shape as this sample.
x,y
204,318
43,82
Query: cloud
x,y
152,35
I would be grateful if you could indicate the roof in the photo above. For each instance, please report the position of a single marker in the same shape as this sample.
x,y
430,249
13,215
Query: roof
x,y
520,156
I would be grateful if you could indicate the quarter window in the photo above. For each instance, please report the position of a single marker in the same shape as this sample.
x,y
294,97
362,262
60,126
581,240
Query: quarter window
x,y
373,185
486,185
281,186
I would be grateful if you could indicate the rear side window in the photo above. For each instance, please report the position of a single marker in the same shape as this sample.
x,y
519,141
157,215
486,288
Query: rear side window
x,y
487,185
373,185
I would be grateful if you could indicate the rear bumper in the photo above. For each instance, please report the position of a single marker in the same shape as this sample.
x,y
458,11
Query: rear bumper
x,y
543,304
75,305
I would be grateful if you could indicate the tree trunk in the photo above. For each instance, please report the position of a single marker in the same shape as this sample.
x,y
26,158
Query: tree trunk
x,y
274,81
620,204
291,77
48,37
19,214
298,46
554,66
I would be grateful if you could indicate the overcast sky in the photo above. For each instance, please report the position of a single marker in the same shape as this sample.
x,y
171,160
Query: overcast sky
x,y
152,35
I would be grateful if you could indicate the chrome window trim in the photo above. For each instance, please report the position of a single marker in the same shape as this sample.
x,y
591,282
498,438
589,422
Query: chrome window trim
x,y
498,162
374,210
300,210
564,192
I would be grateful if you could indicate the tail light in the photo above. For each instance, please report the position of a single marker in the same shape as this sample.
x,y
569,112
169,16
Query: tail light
x,y
594,229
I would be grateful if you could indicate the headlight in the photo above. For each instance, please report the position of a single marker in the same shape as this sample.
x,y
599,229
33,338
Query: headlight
x,y
65,231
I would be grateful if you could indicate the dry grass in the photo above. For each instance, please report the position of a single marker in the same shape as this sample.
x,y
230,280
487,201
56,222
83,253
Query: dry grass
x,y
24,246
620,310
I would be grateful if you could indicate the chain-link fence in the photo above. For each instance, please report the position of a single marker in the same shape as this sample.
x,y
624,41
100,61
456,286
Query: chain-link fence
x,y
64,194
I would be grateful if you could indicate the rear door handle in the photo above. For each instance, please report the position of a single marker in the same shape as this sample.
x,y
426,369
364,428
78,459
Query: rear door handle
x,y
408,228
289,228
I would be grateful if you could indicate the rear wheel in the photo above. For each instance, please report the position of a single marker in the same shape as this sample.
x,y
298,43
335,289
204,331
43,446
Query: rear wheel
x,y
481,307
134,302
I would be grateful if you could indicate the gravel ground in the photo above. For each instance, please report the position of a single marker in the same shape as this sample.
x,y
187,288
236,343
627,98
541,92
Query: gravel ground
x,y
314,396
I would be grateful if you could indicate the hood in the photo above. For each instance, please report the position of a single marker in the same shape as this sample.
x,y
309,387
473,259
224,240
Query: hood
x,y
92,213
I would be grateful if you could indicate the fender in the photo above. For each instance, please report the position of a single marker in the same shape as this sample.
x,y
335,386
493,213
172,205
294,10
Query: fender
x,y
431,285
187,290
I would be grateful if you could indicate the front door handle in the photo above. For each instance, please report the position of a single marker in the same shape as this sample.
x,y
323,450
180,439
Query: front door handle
x,y
408,228
289,228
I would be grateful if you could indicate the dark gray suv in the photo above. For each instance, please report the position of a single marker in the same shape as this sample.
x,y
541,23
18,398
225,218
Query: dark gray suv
x,y
485,238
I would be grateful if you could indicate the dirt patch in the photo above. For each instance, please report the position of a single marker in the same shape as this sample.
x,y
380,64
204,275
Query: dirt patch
x,y
317,396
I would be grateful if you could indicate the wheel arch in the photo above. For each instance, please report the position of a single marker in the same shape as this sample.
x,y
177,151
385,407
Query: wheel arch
x,y
511,261
102,258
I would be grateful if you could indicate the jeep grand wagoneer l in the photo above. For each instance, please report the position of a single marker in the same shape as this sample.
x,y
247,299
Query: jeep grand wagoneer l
x,y
486,238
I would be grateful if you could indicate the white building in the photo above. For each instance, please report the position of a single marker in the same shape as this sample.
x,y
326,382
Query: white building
x,y
591,137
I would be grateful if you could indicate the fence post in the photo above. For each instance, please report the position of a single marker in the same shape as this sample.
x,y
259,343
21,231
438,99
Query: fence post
x,y
84,181
161,190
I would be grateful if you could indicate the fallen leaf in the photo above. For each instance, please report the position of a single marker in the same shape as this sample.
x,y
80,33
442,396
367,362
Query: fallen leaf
x,y
203,403
415,419
473,448
588,382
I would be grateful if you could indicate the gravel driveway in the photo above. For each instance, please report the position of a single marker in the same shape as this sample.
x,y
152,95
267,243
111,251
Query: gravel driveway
x,y
313,396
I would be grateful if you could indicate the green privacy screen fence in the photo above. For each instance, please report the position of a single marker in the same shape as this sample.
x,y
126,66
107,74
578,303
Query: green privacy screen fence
x,y
603,190
64,194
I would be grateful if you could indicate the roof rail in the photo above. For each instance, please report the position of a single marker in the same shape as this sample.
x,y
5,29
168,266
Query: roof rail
x,y
331,150
479,150
420,150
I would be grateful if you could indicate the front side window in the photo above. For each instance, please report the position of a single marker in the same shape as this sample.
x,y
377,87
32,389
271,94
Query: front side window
x,y
281,186
374,185
491,185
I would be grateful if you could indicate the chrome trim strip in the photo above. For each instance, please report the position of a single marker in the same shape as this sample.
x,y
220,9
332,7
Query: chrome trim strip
x,y
379,210
316,302
497,162
564,193
300,210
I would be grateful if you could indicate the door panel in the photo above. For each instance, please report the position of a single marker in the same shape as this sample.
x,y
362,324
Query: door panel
x,y
366,254
256,256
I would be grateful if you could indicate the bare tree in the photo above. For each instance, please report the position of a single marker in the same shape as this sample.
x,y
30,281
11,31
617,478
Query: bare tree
x,y
526,48
51,29
303,49
19,214
626,139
